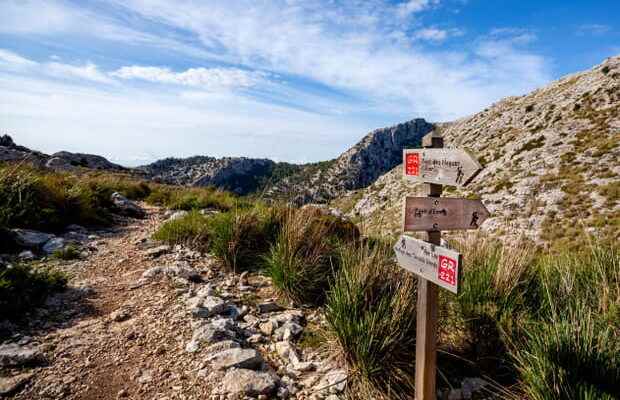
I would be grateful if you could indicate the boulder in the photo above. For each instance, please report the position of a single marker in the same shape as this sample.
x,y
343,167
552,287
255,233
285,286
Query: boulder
x,y
245,382
31,239
267,307
178,215
208,306
215,331
26,255
157,251
59,164
53,245
127,207
236,358
14,355
334,381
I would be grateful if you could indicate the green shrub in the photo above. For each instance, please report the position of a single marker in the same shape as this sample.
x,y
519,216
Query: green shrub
x,y
193,198
24,287
190,229
303,259
370,312
67,253
572,357
241,237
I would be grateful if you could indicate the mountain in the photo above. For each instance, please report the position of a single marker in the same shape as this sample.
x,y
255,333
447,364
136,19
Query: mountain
x,y
238,174
551,163
378,152
62,160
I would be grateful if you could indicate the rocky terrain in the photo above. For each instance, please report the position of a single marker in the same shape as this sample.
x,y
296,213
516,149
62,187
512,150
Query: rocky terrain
x,y
550,160
143,320
60,161
240,175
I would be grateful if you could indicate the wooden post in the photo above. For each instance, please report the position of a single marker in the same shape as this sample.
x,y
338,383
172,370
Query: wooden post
x,y
426,319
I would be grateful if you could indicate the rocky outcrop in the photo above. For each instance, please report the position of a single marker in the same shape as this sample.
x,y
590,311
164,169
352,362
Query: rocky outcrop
x,y
237,174
61,161
90,161
126,207
378,152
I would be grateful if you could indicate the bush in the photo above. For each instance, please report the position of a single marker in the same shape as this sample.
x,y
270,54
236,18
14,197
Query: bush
x,y
193,198
24,287
572,357
68,253
303,259
241,237
370,312
39,199
190,229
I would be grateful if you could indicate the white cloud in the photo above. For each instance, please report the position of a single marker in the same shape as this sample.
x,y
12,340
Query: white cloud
x,y
435,34
208,78
10,59
414,6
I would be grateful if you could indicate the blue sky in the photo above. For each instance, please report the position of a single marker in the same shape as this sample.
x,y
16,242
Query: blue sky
x,y
292,80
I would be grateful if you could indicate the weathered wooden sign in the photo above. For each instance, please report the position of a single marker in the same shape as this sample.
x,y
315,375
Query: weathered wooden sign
x,y
435,263
453,167
443,214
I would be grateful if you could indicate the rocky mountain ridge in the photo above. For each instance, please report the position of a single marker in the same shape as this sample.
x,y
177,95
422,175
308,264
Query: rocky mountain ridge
x,y
551,163
62,160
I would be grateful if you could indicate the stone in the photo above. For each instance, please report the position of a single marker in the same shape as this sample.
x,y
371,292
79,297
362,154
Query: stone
x,y
54,244
221,346
269,306
184,271
238,358
284,349
288,331
120,315
12,355
255,338
26,255
157,251
334,381
153,272
267,327
127,207
11,385
244,382
30,238
214,331
243,278
208,306
76,228
178,215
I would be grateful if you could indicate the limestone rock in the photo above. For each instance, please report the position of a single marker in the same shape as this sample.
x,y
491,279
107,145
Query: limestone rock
x,y
127,207
239,358
30,238
246,382
12,354
54,244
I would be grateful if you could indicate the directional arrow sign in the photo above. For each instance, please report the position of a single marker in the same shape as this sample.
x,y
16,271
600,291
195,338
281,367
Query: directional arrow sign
x,y
435,263
443,214
452,167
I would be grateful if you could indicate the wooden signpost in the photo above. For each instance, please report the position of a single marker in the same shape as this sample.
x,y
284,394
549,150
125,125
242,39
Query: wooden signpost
x,y
435,266
453,167
443,214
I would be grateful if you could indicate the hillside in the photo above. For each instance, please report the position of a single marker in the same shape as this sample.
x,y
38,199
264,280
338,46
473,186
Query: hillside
x,y
61,161
377,152
551,163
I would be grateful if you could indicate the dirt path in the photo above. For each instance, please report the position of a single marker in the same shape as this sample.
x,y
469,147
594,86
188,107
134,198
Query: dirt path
x,y
123,340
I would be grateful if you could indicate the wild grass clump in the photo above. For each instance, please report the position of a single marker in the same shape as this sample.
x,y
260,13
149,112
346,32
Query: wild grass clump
x,y
23,287
573,356
370,312
191,230
39,199
303,260
240,238
193,198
